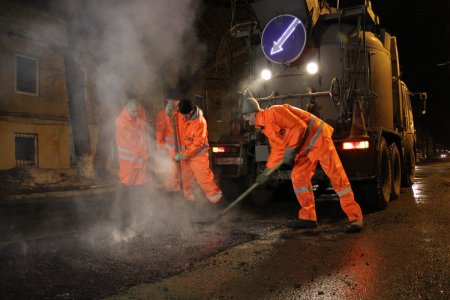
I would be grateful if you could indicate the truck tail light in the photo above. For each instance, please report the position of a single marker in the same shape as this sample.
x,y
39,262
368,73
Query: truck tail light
x,y
218,149
355,145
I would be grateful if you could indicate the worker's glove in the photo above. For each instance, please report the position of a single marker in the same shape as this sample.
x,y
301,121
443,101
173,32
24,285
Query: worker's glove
x,y
179,157
289,156
263,177
169,109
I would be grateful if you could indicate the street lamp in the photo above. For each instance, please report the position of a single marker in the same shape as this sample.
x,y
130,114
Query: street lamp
x,y
423,96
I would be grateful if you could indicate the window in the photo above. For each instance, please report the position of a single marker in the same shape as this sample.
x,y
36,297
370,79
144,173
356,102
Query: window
x,y
27,75
26,150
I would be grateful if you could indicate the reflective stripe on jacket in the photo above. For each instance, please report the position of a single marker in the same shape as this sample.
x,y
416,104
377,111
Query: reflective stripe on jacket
x,y
132,149
286,126
164,134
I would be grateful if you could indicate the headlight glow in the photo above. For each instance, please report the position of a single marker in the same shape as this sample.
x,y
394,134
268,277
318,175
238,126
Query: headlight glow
x,y
312,68
266,74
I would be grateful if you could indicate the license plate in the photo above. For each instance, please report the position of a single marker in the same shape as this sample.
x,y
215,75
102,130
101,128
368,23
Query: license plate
x,y
229,161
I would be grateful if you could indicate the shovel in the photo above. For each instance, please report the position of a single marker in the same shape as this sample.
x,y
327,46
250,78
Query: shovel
x,y
240,198
177,149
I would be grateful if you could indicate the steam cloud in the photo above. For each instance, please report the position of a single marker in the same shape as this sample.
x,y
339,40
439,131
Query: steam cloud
x,y
137,46
141,43
133,46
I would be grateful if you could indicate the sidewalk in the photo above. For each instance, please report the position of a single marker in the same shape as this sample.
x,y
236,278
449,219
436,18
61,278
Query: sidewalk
x,y
57,192
20,184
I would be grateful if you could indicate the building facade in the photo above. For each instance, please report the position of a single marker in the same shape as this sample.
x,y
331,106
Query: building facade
x,y
34,119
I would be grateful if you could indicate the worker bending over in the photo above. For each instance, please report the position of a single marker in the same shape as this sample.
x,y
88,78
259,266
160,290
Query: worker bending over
x,y
301,140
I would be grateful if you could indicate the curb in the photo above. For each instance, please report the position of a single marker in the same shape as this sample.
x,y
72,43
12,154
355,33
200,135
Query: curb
x,y
80,191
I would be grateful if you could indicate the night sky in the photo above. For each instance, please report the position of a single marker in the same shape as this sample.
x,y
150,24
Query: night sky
x,y
423,37
422,29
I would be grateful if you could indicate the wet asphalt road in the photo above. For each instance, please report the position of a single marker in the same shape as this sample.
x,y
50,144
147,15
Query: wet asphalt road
x,y
71,250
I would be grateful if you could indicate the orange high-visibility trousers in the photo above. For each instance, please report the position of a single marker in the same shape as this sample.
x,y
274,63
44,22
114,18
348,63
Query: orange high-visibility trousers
x,y
197,168
170,173
132,151
303,171
165,140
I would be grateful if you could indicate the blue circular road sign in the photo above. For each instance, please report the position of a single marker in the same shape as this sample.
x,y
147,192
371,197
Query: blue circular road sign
x,y
283,39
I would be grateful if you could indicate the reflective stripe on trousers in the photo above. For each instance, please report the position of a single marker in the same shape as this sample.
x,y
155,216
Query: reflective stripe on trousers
x,y
344,192
215,198
316,134
303,189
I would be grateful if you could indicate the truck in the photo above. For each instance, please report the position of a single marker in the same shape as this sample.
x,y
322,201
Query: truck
x,y
338,63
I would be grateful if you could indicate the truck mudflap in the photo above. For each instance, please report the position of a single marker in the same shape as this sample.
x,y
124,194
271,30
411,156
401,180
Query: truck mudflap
x,y
355,153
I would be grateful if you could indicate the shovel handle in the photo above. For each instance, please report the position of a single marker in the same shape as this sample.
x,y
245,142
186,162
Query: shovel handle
x,y
177,148
248,191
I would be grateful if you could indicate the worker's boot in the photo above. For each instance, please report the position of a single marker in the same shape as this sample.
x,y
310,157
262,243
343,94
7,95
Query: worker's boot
x,y
354,226
302,224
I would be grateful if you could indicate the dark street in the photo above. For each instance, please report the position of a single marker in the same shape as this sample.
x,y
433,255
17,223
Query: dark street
x,y
69,249
162,149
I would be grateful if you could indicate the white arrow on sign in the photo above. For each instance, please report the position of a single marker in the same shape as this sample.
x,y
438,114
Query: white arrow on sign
x,y
278,45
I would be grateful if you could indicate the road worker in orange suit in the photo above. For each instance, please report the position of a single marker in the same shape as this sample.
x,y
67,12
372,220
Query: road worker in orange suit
x,y
165,142
132,156
194,155
300,139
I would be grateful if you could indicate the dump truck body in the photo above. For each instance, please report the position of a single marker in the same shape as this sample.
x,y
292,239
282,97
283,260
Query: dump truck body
x,y
357,90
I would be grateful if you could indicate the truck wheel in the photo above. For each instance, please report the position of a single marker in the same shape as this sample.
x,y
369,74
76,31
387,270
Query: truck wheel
x,y
375,194
384,177
396,166
409,170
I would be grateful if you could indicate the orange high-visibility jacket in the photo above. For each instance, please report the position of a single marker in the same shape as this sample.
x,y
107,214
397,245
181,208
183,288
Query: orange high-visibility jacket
x,y
164,134
132,151
286,126
194,136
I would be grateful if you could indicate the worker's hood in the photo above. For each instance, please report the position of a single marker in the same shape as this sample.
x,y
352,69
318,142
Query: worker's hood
x,y
196,113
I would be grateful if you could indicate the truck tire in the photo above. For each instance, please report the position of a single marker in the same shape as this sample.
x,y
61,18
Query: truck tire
x,y
375,194
396,166
409,166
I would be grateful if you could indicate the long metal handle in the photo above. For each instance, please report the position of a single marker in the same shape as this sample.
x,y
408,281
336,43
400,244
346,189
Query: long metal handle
x,y
248,191
175,135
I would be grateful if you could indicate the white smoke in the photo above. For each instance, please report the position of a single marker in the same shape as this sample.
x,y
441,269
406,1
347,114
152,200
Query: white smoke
x,y
135,46
141,42
124,47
